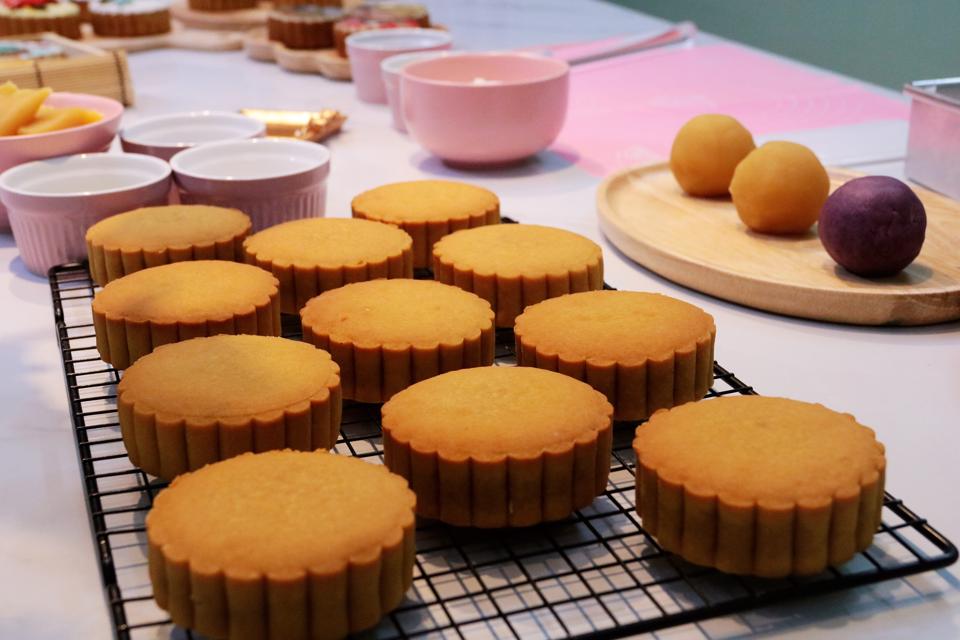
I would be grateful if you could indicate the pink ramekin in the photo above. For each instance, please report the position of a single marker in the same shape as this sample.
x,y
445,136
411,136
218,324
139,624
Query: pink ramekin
x,y
53,202
367,49
88,138
272,180
485,108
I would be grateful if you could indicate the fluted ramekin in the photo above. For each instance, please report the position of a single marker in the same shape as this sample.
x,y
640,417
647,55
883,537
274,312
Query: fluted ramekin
x,y
165,136
52,203
272,180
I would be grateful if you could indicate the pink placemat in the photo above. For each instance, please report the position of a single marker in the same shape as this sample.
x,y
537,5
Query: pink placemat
x,y
626,110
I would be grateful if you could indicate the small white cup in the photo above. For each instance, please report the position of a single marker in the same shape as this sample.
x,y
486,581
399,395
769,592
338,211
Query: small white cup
x,y
164,136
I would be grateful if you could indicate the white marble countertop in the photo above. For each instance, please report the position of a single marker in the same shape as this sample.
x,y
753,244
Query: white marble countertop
x,y
904,382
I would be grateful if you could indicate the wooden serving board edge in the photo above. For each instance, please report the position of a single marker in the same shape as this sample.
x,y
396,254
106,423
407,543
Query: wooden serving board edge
x,y
324,62
179,37
873,309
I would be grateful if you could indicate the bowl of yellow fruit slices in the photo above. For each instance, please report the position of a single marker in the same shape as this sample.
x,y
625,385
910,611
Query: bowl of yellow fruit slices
x,y
40,123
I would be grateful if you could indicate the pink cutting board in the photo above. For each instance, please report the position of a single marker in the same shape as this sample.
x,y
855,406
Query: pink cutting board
x,y
626,110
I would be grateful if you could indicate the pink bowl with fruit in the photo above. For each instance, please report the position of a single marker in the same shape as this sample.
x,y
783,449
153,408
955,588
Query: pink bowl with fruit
x,y
88,138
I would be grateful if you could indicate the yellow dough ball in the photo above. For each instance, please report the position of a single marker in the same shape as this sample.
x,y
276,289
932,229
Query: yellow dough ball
x,y
706,151
780,188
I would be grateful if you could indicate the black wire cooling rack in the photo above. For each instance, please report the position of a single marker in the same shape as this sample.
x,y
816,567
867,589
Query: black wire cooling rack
x,y
597,574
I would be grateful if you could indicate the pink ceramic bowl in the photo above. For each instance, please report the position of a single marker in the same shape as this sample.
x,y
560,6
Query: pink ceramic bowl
x,y
367,49
485,108
53,202
272,180
164,136
89,138
390,69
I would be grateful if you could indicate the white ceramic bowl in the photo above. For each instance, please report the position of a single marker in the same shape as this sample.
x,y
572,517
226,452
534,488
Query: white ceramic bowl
x,y
367,49
390,69
53,202
272,180
164,136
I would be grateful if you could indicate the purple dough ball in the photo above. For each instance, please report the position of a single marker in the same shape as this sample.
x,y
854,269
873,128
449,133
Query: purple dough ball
x,y
873,226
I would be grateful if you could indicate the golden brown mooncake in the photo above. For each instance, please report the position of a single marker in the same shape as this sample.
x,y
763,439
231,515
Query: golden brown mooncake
x,y
151,236
499,446
759,486
644,351
191,403
314,255
389,334
512,266
282,544
137,313
428,210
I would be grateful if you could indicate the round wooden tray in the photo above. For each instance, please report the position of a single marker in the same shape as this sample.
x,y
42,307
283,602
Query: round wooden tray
x,y
326,62
179,37
701,243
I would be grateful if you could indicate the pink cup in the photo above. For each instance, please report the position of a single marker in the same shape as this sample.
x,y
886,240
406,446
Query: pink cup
x,y
367,49
53,202
88,138
485,108
390,69
272,180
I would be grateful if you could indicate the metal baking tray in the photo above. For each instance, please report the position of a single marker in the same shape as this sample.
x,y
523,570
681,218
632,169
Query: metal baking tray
x,y
933,144
596,574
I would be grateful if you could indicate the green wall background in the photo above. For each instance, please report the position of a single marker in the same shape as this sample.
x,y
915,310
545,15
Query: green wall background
x,y
887,42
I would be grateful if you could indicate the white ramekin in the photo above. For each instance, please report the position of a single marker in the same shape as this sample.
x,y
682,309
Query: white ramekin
x,y
164,136
272,180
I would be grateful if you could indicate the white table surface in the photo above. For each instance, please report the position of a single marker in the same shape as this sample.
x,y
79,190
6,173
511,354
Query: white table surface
x,y
904,382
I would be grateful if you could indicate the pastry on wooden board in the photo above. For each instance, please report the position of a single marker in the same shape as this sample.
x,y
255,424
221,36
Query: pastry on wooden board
x,y
304,25
129,18
19,17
